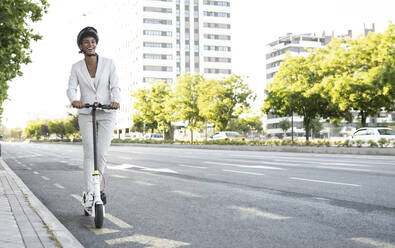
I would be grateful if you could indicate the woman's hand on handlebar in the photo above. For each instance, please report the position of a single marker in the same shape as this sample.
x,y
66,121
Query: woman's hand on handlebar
x,y
77,104
114,105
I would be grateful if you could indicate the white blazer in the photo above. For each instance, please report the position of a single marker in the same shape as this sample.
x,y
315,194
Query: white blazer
x,y
106,79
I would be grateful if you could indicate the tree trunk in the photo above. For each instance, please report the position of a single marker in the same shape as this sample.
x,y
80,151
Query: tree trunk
x,y
363,118
307,127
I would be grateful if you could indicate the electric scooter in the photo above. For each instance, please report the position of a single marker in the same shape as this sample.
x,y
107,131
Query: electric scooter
x,y
99,199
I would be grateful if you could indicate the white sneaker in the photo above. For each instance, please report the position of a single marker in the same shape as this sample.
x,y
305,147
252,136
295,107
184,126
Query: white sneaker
x,y
89,200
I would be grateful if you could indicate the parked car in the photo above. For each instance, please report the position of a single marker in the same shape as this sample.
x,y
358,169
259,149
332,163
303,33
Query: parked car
x,y
153,136
228,136
373,133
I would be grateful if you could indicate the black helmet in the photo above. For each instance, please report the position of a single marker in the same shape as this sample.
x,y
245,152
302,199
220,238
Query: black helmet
x,y
87,32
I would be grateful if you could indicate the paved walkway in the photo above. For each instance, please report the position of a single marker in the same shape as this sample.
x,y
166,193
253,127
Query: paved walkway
x,y
24,220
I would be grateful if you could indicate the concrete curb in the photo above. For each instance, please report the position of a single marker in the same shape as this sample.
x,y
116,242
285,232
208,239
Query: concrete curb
x,y
65,238
388,151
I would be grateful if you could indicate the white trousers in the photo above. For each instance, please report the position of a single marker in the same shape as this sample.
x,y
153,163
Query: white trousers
x,y
105,125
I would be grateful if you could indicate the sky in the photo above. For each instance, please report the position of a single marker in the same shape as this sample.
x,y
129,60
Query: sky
x,y
41,91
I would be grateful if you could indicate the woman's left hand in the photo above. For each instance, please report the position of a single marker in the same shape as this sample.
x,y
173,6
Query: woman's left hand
x,y
114,105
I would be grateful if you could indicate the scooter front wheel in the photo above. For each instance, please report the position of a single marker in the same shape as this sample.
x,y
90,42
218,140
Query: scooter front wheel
x,y
99,215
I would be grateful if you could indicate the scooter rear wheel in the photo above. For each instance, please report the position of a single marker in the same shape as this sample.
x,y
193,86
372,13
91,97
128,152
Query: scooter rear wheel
x,y
99,215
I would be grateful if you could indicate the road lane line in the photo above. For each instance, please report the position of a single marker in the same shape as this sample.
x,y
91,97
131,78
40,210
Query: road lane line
x,y
346,164
245,166
35,172
77,197
45,178
118,222
342,168
192,166
373,242
29,168
187,194
59,186
127,166
144,183
100,231
257,212
320,181
149,241
118,176
244,172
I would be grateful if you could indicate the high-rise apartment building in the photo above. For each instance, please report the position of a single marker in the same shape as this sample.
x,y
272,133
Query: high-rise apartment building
x,y
166,38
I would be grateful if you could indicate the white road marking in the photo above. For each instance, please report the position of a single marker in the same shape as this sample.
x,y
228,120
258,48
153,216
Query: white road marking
x,y
59,186
118,176
192,166
99,231
320,181
245,166
45,178
342,168
149,241
29,168
117,221
257,212
187,194
244,172
373,242
127,166
144,183
35,172
346,164
78,197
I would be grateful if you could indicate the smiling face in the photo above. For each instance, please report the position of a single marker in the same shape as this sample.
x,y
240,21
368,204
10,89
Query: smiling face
x,y
88,45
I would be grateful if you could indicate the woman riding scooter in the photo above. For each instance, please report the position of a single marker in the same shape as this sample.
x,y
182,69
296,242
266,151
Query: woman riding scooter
x,y
97,80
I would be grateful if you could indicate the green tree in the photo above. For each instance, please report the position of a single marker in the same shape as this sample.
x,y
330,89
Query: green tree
x,y
297,89
366,79
246,125
316,127
154,107
16,133
57,127
185,101
285,125
144,109
15,38
37,128
222,100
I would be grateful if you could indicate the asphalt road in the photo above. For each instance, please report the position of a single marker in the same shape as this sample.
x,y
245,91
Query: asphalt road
x,y
163,197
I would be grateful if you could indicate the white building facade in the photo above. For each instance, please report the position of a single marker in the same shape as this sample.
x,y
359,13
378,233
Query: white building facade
x,y
167,38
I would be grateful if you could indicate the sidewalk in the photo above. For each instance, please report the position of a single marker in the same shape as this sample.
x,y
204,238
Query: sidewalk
x,y
24,220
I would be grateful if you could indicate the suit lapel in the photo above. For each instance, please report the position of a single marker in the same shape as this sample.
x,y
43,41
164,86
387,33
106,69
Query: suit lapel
x,y
85,72
99,71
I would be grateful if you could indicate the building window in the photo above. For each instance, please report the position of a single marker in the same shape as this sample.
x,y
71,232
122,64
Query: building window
x,y
157,33
216,25
156,9
157,68
217,48
157,56
157,21
217,3
216,14
217,71
157,45
216,37
217,59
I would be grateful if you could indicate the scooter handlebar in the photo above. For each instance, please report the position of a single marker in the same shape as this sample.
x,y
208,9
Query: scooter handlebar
x,y
97,106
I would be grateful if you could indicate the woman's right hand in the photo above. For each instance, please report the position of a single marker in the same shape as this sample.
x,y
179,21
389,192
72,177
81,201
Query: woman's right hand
x,y
77,104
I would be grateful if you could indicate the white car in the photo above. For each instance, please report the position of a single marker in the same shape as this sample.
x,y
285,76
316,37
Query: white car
x,y
228,136
374,133
153,136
